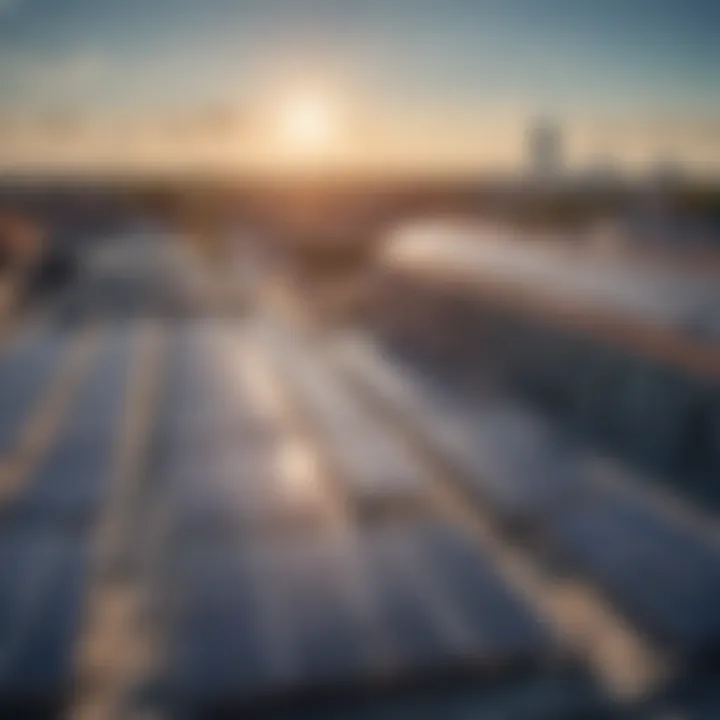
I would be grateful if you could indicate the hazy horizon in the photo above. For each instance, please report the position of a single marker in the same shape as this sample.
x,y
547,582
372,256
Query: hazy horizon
x,y
422,86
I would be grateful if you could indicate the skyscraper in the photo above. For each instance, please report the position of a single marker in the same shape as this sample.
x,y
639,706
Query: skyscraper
x,y
545,150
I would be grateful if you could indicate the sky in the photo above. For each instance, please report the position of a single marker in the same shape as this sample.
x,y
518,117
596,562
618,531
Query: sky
x,y
422,84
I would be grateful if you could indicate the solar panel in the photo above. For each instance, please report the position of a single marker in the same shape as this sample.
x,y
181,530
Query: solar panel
x,y
504,454
375,469
25,371
344,610
72,479
44,582
663,575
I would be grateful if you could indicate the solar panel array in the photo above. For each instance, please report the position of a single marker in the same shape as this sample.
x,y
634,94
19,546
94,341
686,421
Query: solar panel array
x,y
291,542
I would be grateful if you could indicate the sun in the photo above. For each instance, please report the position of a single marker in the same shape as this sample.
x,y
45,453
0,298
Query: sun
x,y
308,123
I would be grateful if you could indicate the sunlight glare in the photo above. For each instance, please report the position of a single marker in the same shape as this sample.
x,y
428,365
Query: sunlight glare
x,y
308,123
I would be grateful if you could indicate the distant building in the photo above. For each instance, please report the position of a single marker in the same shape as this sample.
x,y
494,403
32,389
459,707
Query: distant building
x,y
545,151
602,173
665,174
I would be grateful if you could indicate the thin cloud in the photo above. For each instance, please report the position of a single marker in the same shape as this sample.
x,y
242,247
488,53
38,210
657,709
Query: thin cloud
x,y
49,79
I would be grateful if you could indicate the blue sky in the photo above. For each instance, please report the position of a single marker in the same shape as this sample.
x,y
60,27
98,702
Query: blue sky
x,y
614,70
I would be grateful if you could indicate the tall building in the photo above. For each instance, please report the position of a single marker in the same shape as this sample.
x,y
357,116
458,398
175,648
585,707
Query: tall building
x,y
545,152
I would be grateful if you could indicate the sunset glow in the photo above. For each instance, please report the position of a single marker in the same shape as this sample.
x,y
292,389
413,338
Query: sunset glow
x,y
307,124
